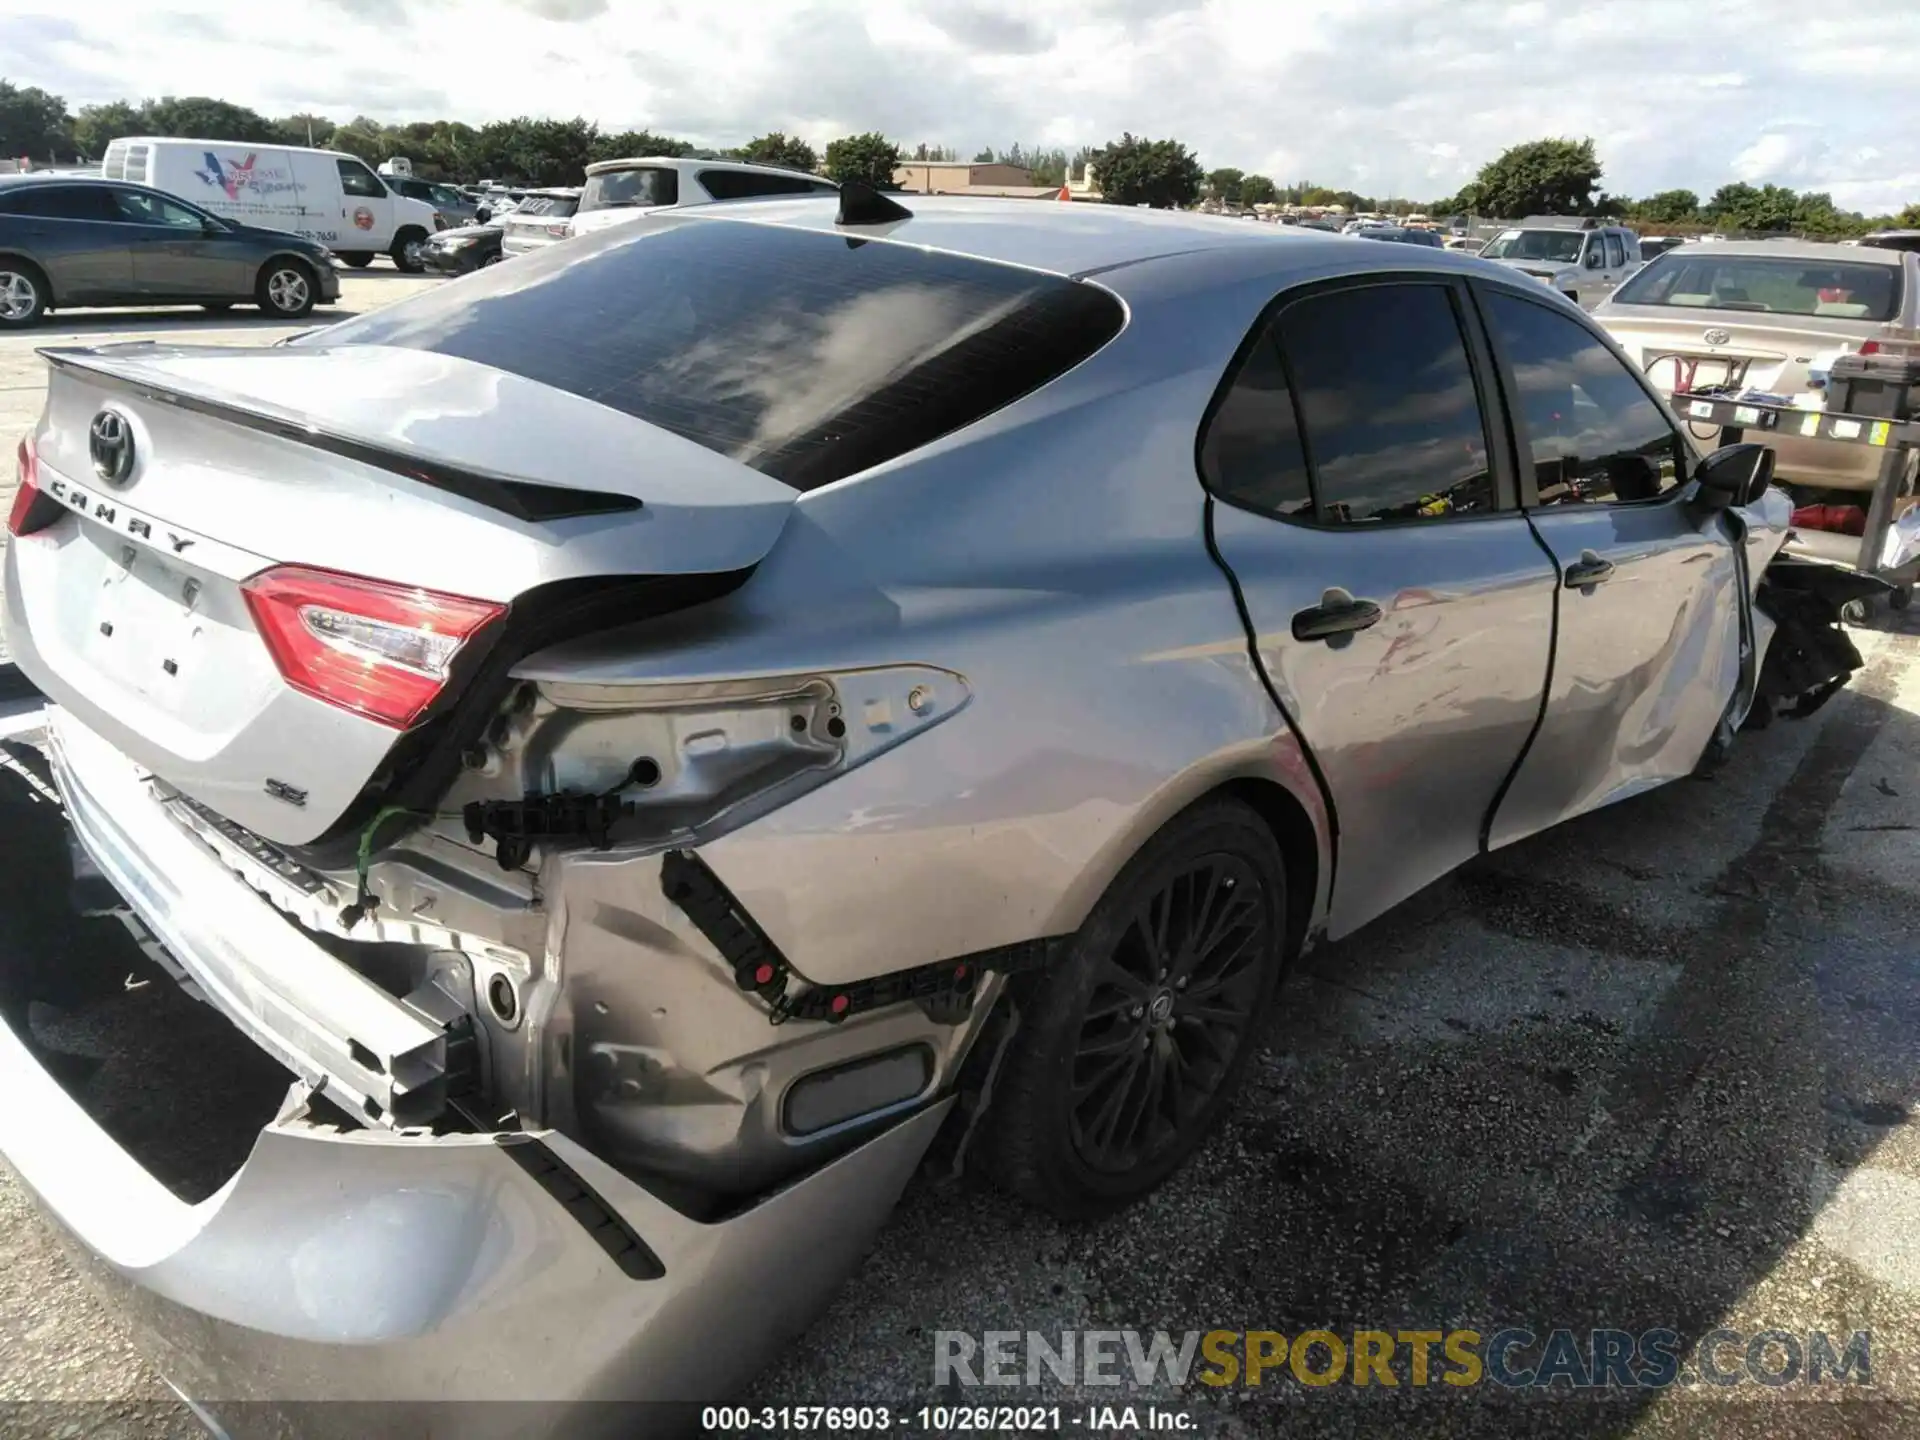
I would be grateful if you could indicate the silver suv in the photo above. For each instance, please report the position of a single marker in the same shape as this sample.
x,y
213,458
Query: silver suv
x,y
1577,255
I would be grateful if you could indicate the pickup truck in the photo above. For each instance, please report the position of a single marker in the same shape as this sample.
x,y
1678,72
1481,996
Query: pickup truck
x,y
1577,255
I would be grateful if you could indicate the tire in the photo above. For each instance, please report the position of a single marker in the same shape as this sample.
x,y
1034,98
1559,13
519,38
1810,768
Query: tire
x,y
286,289
405,252
23,294
1079,1159
358,259
1902,598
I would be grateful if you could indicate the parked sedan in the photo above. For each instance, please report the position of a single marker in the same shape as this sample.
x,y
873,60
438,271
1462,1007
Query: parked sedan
x,y
800,640
1760,313
462,251
1403,235
70,243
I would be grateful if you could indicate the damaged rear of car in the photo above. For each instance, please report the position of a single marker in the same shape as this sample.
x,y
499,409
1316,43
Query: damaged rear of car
x,y
616,730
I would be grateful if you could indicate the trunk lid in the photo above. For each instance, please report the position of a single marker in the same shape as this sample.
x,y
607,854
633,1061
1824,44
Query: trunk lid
x,y
412,470
1717,347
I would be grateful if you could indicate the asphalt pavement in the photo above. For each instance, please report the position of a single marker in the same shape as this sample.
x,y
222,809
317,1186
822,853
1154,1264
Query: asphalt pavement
x,y
1657,1068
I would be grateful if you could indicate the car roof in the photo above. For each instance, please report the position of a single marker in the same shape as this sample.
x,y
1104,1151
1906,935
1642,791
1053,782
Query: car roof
x,y
1808,250
683,163
1067,239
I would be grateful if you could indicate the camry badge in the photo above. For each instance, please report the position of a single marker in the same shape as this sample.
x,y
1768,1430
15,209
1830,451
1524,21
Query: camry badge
x,y
1716,337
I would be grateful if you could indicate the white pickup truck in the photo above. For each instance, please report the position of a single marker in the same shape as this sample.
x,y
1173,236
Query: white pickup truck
x,y
1578,255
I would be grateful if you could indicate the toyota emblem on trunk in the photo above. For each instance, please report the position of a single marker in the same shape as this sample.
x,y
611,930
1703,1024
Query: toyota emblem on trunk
x,y
110,443
1716,337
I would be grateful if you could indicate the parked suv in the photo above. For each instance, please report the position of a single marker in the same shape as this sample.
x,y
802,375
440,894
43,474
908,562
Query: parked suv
x,y
618,190
69,243
1577,255
538,220
455,207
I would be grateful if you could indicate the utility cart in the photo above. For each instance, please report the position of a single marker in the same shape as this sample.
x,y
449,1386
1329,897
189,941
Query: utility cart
x,y
1876,550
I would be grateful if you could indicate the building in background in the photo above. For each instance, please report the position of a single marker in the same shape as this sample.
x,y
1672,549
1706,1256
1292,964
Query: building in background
x,y
959,177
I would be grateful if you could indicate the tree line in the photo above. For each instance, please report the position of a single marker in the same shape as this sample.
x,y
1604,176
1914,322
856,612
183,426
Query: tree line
x,y
1548,176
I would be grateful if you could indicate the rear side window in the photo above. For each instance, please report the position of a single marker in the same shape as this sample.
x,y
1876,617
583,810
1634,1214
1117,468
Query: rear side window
x,y
807,356
1251,452
744,184
614,189
58,202
1387,404
1616,252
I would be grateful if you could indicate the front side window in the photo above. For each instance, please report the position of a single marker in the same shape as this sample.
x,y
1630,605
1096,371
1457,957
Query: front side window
x,y
1388,407
629,189
356,179
1558,247
793,352
1597,437
443,195
138,208
1763,284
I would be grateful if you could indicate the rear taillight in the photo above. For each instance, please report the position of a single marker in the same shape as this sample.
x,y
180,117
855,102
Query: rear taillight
x,y
1890,347
559,232
380,650
33,509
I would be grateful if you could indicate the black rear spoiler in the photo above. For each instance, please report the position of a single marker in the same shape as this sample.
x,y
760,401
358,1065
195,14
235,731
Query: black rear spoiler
x,y
522,499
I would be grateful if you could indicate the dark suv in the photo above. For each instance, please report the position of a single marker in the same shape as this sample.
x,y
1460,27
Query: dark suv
x,y
70,243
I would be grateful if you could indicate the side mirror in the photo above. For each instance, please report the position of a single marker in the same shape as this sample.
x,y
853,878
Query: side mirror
x,y
210,226
1733,475
1595,259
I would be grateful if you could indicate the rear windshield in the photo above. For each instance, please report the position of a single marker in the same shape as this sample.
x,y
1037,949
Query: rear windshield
x,y
1761,283
807,356
559,206
618,188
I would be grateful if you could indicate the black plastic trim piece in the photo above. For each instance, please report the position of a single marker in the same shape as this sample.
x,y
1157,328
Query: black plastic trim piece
x,y
599,1219
861,204
522,499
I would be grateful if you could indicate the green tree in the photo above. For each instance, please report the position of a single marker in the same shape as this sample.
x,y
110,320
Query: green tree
x,y
1160,173
787,151
1224,184
870,157
1541,177
1258,190
305,128
201,117
636,144
1669,207
1743,207
33,123
984,157
1907,219
98,126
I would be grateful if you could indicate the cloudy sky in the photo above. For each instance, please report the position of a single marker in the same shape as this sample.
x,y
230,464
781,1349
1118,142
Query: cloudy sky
x,y
1395,97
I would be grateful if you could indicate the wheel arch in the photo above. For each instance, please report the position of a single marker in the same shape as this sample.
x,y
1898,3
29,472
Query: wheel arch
x,y
305,262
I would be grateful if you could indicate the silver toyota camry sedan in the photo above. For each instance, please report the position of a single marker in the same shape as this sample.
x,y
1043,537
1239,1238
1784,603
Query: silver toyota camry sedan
x,y
647,734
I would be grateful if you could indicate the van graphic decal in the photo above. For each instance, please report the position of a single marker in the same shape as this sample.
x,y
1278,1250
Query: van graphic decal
x,y
363,218
238,176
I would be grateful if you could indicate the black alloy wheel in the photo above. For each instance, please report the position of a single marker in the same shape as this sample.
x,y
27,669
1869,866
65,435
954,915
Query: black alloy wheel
x,y
1129,1047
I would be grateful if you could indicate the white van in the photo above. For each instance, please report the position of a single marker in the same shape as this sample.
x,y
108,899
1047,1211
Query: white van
x,y
322,194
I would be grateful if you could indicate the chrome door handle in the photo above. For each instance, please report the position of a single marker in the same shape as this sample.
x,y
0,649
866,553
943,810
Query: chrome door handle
x,y
1589,570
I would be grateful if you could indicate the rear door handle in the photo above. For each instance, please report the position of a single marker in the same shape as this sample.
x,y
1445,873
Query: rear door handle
x,y
1588,570
1337,614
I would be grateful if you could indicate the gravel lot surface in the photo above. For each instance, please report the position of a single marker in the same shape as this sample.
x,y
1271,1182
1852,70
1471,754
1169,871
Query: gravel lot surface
x,y
1657,1068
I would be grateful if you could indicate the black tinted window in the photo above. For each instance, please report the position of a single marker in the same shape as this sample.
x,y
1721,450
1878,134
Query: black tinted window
x,y
1251,452
630,188
743,184
806,356
1387,400
1596,434
58,202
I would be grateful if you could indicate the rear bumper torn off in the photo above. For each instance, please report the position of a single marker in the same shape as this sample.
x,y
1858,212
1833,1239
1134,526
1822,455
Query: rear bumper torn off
x,y
396,1265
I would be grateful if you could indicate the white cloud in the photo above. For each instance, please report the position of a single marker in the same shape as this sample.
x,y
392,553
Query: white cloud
x,y
1402,96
